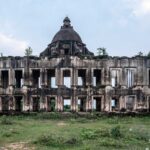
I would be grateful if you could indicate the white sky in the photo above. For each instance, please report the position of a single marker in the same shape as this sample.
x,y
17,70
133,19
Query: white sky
x,y
121,26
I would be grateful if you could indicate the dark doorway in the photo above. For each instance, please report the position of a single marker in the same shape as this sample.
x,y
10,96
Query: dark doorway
x,y
50,103
67,78
149,77
115,104
36,104
67,105
36,78
18,77
5,79
82,104
130,103
97,104
18,103
82,77
97,77
149,104
5,104
51,79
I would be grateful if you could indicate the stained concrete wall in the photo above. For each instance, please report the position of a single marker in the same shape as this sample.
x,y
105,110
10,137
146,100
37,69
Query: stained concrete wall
x,y
139,89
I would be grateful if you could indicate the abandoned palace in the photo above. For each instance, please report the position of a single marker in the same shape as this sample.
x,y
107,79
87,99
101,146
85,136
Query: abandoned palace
x,y
68,77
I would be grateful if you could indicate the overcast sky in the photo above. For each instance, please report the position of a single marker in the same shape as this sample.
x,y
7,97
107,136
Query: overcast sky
x,y
121,26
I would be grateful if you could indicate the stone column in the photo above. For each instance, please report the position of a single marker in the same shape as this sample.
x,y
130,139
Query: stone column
x,y
89,90
148,104
11,103
42,97
26,71
108,99
88,77
122,102
23,104
59,82
45,77
27,98
92,74
0,104
59,77
56,103
107,77
74,101
0,78
102,103
31,104
11,77
42,101
135,103
59,103
102,77
89,99
30,78
42,74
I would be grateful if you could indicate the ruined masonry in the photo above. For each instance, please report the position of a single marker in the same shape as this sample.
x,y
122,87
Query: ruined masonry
x,y
68,77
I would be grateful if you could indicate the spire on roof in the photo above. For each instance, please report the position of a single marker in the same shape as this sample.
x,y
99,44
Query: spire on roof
x,y
66,22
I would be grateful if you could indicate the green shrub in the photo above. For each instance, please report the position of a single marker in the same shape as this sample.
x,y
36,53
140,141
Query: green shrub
x,y
50,140
47,115
110,143
102,132
82,120
115,132
113,120
73,141
88,134
7,134
5,120
57,141
94,133
141,135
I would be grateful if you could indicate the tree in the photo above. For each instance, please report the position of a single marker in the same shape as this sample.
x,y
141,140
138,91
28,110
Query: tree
x,y
1,54
148,55
140,53
28,51
102,51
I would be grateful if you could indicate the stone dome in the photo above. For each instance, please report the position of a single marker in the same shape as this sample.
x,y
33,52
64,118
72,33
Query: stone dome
x,y
66,42
67,33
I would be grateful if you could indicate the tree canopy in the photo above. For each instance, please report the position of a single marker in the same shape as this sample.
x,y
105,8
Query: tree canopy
x,y
102,51
28,51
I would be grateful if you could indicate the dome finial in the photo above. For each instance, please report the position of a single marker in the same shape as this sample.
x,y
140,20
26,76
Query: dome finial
x,y
66,21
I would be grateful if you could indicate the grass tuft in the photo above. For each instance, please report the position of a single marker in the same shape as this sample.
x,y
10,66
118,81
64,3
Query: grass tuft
x,y
5,120
115,132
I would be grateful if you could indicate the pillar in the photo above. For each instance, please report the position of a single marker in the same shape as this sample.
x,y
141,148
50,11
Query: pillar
x,y
11,103
122,102
45,77
0,104
26,102
42,74
43,103
59,105
59,77
74,101
102,103
0,78
31,104
135,103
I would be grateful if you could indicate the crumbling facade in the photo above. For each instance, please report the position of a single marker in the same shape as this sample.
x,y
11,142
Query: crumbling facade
x,y
67,74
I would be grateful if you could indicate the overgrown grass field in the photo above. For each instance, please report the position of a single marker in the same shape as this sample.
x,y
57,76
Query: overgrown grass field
x,y
54,131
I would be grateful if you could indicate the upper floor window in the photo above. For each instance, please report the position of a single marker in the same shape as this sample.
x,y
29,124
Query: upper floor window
x,y
96,77
114,77
130,77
